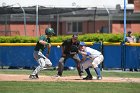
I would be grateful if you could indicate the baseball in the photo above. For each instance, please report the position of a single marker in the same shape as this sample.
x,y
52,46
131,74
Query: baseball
x,y
58,46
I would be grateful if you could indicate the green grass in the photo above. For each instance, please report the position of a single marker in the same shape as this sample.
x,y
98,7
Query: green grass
x,y
68,87
105,73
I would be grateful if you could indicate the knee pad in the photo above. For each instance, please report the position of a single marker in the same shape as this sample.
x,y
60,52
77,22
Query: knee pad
x,y
61,60
41,62
48,62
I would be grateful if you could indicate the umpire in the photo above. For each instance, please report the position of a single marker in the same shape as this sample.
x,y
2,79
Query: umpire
x,y
70,50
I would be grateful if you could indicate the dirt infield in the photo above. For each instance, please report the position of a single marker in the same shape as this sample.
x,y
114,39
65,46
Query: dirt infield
x,y
11,77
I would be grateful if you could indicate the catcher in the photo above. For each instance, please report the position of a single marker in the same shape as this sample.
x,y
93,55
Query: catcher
x,y
91,58
44,41
70,50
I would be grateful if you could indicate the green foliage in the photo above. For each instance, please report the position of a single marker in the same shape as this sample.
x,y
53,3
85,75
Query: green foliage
x,y
113,37
17,39
96,37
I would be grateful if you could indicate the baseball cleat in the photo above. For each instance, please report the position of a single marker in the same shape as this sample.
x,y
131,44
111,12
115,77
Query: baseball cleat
x,y
57,76
88,78
81,74
99,78
34,76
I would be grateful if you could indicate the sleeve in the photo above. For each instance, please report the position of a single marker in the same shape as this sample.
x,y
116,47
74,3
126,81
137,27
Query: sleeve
x,y
134,39
42,38
88,53
78,43
64,43
48,40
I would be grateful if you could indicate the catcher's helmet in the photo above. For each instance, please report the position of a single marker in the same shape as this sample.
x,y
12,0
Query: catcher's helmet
x,y
49,31
82,44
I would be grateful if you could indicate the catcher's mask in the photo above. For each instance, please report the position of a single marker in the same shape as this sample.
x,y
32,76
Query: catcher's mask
x,y
74,37
49,31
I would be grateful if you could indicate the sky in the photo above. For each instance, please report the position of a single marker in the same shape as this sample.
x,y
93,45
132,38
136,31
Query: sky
x,y
62,3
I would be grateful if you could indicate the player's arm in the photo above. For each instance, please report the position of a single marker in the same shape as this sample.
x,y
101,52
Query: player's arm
x,y
49,48
83,58
43,42
134,39
84,53
63,48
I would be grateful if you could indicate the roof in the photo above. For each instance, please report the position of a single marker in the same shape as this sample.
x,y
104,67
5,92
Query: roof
x,y
61,3
81,14
130,16
41,10
47,7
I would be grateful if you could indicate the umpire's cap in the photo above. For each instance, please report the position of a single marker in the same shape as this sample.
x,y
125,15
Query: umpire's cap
x,y
82,44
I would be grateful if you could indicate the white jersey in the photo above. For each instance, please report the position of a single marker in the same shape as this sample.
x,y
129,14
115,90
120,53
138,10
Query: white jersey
x,y
131,39
94,53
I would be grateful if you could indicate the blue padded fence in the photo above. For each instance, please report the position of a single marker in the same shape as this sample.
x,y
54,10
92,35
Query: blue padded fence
x,y
132,57
114,56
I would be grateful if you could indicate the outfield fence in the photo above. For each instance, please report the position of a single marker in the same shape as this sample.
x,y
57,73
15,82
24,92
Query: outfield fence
x,y
116,55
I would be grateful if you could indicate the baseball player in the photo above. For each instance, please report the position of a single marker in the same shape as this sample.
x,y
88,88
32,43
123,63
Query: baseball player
x,y
43,42
70,50
90,58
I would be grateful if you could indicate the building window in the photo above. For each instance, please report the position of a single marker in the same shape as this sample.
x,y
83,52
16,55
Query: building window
x,y
75,27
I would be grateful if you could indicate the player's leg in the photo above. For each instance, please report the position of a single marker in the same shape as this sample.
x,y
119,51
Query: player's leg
x,y
86,65
95,64
61,66
48,63
39,57
41,65
89,76
78,64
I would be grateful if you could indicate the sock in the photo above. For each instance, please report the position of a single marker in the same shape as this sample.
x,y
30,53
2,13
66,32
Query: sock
x,y
97,70
88,72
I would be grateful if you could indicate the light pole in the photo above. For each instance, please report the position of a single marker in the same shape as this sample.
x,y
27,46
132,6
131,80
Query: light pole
x,y
124,19
108,15
57,24
37,20
24,18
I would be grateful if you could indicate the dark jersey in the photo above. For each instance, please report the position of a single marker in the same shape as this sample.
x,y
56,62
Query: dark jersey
x,y
67,44
41,46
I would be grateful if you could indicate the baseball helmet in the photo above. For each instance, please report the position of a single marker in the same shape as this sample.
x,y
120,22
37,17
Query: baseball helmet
x,y
49,31
82,44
